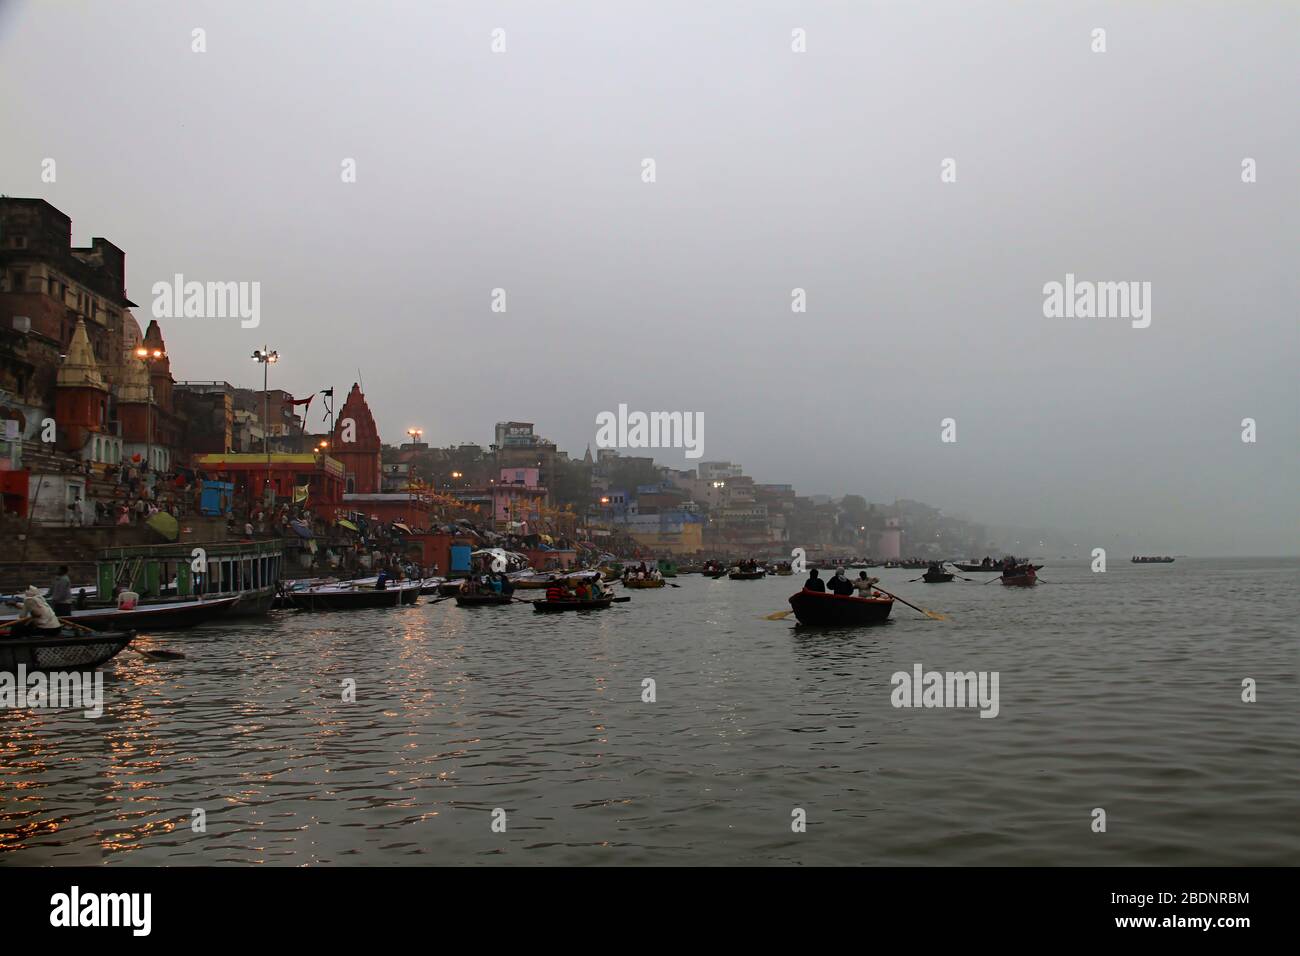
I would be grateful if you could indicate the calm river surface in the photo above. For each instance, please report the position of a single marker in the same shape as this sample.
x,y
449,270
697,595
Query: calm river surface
x,y
1119,690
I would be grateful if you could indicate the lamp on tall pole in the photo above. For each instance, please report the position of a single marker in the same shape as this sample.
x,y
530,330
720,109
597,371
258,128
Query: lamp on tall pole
x,y
266,357
147,356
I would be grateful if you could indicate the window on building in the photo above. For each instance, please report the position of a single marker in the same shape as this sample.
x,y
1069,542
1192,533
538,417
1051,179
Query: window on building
x,y
19,281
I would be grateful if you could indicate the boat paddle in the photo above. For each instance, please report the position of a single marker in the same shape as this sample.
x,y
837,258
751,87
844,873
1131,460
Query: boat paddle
x,y
932,615
148,655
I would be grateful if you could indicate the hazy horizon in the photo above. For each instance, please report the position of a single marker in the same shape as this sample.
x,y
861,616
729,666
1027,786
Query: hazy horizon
x,y
775,170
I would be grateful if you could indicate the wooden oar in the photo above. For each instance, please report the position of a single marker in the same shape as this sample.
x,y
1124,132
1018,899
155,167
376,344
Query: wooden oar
x,y
149,655
932,615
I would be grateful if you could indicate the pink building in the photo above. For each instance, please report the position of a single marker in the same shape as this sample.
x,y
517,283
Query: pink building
x,y
517,499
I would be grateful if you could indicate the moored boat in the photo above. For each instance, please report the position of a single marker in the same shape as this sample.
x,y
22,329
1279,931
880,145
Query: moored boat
x,y
68,648
152,617
553,607
344,598
832,610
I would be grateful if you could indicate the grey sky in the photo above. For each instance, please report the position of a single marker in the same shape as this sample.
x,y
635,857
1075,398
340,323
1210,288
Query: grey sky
x,y
775,170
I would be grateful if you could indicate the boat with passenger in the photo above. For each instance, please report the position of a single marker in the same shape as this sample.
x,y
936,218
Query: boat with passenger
x,y
823,609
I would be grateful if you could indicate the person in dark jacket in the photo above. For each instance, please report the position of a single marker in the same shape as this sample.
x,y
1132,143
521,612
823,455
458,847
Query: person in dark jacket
x,y
841,585
814,582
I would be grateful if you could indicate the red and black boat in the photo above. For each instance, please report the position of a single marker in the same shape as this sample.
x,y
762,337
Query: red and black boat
x,y
832,610
1025,577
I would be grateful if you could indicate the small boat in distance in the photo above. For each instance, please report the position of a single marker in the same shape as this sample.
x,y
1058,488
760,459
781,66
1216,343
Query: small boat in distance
x,y
1139,560
821,609
747,575
1022,577
935,574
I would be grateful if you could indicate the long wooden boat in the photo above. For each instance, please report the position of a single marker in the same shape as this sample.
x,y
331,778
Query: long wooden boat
x,y
163,615
339,598
1138,560
833,610
482,600
643,583
65,649
992,568
746,575
554,607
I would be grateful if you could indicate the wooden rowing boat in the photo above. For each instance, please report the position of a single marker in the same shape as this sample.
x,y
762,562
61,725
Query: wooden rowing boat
x,y
821,609
940,577
643,583
747,575
554,607
68,648
1027,580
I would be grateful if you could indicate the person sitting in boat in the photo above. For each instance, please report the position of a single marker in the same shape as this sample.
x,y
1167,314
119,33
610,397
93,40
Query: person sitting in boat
x,y
495,583
814,582
555,591
37,616
381,582
507,586
840,584
864,584
127,599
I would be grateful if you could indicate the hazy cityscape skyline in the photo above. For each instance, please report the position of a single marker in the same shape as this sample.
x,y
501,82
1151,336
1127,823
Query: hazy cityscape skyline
x,y
775,171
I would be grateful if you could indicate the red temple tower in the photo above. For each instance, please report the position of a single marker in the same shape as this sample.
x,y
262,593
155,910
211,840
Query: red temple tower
x,y
360,454
80,395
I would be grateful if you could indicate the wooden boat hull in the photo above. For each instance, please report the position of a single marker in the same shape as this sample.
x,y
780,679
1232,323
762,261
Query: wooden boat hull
x,y
65,650
482,600
353,599
634,584
831,610
555,607
943,578
448,588
747,575
1020,581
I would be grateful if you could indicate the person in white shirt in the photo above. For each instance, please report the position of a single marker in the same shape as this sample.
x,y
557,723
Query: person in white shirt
x,y
864,584
37,616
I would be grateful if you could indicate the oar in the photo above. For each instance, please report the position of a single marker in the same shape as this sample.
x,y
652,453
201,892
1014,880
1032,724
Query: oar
x,y
148,655
932,615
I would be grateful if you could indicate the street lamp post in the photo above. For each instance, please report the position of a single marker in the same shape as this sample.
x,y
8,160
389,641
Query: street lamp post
x,y
266,357
148,356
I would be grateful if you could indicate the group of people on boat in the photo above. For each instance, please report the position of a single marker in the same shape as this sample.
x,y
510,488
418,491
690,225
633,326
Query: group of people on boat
x,y
840,584
583,589
749,565
494,582
641,573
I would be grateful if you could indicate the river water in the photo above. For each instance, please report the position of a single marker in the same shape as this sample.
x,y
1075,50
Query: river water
x,y
1120,691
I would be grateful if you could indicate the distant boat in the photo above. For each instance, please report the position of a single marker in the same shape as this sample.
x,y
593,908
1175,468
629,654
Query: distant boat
x,y
643,583
936,576
1138,560
1024,579
747,575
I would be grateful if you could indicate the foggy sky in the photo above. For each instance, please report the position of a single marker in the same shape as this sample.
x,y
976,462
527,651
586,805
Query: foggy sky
x,y
775,170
